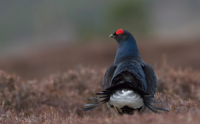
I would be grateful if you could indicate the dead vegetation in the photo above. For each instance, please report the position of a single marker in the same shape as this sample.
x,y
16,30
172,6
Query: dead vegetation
x,y
60,97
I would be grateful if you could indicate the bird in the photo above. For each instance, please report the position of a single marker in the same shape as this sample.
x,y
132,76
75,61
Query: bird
x,y
129,84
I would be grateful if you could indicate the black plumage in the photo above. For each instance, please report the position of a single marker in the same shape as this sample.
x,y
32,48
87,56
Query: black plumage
x,y
128,73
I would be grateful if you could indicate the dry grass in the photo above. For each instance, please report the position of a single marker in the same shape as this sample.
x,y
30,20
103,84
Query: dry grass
x,y
60,97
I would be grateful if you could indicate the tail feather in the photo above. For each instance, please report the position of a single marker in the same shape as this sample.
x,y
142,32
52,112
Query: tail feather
x,y
105,96
91,107
148,100
153,110
156,101
96,104
97,97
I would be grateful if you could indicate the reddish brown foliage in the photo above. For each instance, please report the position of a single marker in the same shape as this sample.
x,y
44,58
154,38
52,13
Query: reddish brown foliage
x,y
60,97
183,82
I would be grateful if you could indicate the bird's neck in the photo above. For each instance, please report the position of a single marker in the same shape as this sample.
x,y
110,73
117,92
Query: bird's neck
x,y
127,49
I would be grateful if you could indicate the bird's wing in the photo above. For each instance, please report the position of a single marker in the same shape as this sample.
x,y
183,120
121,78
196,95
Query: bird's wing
x,y
105,84
151,79
129,72
108,76
126,75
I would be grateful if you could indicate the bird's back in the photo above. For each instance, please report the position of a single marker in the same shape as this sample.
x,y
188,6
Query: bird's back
x,y
130,71
128,83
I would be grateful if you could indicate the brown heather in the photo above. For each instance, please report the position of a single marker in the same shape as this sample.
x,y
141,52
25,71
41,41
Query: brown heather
x,y
59,98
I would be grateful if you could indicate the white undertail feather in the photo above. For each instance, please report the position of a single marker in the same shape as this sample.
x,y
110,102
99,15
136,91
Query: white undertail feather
x,y
125,97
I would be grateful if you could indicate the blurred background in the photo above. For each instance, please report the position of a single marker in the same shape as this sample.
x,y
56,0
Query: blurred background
x,y
41,37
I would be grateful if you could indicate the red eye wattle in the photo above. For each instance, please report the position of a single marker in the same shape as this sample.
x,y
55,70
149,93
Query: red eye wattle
x,y
119,31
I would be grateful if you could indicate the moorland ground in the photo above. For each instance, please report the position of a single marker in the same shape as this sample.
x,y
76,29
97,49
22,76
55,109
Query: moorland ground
x,y
52,85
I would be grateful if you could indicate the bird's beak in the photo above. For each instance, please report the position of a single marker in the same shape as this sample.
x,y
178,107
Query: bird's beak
x,y
112,36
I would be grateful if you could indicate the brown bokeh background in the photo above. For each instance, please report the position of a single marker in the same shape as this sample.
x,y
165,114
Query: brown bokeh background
x,y
53,56
98,54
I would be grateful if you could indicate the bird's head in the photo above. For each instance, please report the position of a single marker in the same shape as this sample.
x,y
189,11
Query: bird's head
x,y
121,35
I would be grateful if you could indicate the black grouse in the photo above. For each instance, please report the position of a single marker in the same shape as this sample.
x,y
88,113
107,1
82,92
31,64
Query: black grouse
x,y
129,84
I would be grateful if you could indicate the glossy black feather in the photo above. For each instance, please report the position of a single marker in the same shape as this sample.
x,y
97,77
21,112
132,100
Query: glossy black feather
x,y
128,72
